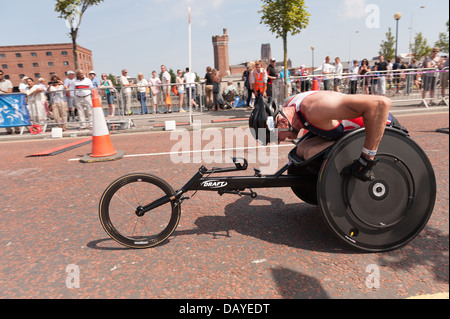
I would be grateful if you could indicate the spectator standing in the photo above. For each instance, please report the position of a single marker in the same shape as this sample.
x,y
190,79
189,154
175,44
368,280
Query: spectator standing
x,y
6,87
338,74
57,100
180,88
109,93
354,79
165,79
189,79
70,95
429,79
258,80
305,83
382,68
126,92
23,86
397,74
246,77
36,99
93,77
271,75
155,85
443,65
209,88
363,70
216,90
83,99
327,69
142,87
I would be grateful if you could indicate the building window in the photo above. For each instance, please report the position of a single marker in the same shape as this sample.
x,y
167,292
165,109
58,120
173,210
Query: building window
x,y
2,55
66,63
20,66
37,75
50,63
18,55
6,76
35,65
33,54
4,66
21,76
48,54
63,52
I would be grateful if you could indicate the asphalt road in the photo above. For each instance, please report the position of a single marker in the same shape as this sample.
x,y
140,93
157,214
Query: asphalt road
x,y
52,244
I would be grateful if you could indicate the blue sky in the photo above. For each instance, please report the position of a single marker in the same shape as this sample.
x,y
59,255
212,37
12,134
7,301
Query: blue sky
x,y
140,35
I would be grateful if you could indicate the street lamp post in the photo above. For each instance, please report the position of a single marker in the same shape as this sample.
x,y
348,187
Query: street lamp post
x,y
411,32
397,17
312,50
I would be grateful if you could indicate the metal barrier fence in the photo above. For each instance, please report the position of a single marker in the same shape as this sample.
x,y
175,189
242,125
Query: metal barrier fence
x,y
399,85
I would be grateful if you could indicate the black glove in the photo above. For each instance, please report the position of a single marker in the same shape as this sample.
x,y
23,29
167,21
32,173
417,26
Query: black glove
x,y
361,169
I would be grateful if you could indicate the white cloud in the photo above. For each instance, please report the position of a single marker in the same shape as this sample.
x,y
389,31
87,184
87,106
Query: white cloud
x,y
354,9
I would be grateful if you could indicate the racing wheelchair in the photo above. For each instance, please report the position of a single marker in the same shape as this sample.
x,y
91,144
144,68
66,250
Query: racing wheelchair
x,y
142,210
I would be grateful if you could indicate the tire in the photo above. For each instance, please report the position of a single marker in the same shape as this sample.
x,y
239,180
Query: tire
x,y
390,211
120,201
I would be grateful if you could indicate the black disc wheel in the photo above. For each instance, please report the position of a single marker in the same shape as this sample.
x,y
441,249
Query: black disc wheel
x,y
388,212
120,211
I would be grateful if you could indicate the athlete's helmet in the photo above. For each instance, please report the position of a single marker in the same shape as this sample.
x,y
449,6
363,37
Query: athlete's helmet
x,y
263,123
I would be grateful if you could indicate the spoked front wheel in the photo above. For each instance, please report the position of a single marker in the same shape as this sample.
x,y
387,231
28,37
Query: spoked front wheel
x,y
120,206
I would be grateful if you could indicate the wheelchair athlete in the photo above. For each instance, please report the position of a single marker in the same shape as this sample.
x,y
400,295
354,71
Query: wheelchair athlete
x,y
329,115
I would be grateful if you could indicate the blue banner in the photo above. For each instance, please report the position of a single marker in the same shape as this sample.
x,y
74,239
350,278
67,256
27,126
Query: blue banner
x,y
13,110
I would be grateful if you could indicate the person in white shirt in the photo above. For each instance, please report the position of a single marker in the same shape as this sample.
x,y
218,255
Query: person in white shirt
x,y
70,97
142,85
166,86
354,79
83,98
126,92
36,100
58,101
327,68
155,84
189,79
6,87
338,74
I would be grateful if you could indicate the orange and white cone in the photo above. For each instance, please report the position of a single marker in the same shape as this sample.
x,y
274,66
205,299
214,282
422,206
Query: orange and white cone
x,y
101,139
102,148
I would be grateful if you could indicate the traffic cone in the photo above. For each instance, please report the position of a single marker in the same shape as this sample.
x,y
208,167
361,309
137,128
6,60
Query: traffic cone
x,y
315,85
102,148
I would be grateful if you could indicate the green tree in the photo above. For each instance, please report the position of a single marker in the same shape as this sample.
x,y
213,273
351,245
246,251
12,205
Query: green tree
x,y
284,17
387,48
442,43
72,12
420,48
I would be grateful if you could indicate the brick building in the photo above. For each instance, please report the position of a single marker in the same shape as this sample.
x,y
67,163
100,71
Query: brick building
x,y
42,60
221,58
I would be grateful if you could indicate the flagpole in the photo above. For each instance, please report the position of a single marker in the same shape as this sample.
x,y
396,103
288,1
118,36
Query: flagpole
x,y
190,63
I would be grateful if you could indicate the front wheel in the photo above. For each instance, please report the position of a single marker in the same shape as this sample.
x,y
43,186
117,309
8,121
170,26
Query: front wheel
x,y
120,204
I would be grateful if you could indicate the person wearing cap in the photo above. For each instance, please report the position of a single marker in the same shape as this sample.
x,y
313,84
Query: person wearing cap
x,y
23,85
95,81
68,82
126,92
271,75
